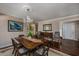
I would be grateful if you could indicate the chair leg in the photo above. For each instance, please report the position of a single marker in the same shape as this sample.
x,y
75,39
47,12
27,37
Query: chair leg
x,y
13,51
17,53
47,54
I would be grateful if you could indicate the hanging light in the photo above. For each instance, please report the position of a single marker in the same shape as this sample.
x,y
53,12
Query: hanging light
x,y
27,9
28,19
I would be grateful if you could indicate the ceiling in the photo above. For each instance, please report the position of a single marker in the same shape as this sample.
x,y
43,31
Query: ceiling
x,y
40,11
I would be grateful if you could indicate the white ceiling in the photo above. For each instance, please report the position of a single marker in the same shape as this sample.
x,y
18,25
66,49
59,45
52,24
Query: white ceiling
x,y
40,11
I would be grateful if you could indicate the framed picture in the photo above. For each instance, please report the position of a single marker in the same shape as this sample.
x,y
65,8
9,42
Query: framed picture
x,y
47,27
15,26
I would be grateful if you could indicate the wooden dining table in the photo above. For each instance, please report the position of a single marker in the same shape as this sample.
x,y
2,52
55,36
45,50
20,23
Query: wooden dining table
x,y
30,43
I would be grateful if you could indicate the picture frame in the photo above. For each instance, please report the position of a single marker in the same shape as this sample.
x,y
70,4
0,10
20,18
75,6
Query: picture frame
x,y
47,27
15,26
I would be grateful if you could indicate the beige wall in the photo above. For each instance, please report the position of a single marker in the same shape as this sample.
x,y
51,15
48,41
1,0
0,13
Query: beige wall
x,y
5,36
55,25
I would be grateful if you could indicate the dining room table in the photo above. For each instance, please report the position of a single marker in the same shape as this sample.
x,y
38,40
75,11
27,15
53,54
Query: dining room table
x,y
30,43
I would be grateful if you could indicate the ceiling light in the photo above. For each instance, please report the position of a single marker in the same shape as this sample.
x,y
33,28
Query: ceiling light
x,y
27,8
29,19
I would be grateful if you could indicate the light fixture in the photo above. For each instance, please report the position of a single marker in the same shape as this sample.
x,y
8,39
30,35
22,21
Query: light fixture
x,y
27,10
28,19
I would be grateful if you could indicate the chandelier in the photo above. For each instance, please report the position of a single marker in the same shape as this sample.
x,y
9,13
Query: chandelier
x,y
27,9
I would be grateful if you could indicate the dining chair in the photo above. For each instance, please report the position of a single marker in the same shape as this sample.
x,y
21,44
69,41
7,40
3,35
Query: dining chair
x,y
41,51
13,43
57,40
18,50
57,37
21,35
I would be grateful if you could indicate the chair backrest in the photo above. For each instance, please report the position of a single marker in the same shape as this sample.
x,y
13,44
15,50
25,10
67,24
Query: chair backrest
x,y
57,34
57,37
21,35
14,43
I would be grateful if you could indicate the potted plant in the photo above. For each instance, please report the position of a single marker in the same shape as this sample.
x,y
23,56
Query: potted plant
x,y
30,34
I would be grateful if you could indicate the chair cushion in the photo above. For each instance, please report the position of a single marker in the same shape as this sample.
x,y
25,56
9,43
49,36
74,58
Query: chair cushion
x,y
41,50
22,50
57,39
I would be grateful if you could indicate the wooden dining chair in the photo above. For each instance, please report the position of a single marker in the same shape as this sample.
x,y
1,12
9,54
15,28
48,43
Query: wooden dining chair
x,y
13,46
57,40
21,35
13,43
41,51
18,50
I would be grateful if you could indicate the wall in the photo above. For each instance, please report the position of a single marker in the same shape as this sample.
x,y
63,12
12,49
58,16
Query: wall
x,y
72,19
5,36
55,25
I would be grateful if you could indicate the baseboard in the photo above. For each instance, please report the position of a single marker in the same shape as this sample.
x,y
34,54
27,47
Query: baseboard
x,y
71,40
6,47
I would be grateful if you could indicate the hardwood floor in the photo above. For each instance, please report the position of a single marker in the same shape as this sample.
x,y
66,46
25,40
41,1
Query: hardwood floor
x,y
70,47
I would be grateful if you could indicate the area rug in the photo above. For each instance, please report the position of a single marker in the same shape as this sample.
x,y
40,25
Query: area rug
x,y
52,52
